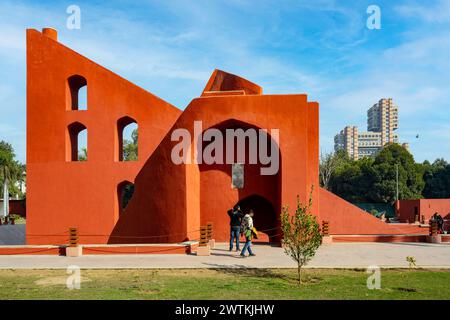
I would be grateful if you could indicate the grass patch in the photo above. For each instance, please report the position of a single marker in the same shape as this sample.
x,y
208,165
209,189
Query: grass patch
x,y
224,284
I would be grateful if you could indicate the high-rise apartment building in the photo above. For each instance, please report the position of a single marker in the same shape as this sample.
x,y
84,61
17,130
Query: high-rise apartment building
x,y
383,118
382,121
347,140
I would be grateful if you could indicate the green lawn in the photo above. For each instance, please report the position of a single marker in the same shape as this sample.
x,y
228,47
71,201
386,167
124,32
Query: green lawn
x,y
224,284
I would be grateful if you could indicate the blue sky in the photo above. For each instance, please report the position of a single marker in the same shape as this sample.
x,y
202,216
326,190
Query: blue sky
x,y
321,48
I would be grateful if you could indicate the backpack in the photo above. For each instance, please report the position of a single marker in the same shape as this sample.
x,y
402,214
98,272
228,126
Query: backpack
x,y
244,225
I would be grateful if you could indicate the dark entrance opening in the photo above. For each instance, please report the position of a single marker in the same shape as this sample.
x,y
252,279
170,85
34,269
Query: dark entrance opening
x,y
265,219
125,192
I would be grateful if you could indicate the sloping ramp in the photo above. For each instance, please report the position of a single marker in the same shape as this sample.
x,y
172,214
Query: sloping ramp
x,y
346,218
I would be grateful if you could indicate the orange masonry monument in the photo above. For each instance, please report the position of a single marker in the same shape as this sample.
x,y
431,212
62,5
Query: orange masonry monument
x,y
172,199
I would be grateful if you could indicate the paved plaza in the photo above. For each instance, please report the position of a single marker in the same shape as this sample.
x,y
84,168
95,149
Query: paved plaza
x,y
338,255
12,234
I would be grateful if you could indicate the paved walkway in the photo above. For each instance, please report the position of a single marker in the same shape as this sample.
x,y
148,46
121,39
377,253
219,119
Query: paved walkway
x,y
338,255
12,234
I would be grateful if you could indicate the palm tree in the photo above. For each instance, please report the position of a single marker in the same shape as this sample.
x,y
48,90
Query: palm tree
x,y
10,172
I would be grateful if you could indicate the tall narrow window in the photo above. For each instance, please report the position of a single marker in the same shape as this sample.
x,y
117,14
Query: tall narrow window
x,y
237,176
77,93
125,192
127,135
76,144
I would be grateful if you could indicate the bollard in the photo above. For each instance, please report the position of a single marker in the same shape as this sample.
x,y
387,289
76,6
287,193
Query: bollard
x,y
326,237
209,232
434,237
73,250
203,236
203,246
13,221
325,228
433,228
73,237
209,226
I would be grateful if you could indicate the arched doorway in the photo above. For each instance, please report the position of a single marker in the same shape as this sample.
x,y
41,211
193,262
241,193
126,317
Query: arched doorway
x,y
219,193
265,219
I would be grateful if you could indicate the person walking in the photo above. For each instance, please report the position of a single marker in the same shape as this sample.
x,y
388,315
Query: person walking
x,y
247,225
235,215
440,222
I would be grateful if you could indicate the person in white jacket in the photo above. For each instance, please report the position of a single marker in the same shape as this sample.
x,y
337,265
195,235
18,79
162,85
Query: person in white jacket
x,y
247,225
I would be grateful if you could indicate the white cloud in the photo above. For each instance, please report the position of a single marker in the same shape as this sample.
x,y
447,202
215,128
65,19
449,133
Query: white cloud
x,y
437,12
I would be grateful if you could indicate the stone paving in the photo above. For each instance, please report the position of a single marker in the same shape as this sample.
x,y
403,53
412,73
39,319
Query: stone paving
x,y
12,234
337,255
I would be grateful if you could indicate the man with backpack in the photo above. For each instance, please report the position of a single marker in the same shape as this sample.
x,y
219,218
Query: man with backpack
x,y
247,229
235,226
439,220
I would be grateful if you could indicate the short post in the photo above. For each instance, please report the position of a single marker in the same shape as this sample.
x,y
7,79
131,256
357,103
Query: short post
x,y
74,249
423,219
434,237
13,221
209,232
326,237
6,220
433,228
203,246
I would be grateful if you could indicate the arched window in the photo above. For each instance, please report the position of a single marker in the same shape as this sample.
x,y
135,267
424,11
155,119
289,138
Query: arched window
x,y
77,93
127,137
125,192
76,142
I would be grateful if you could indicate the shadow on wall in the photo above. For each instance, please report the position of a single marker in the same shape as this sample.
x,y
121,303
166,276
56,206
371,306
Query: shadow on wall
x,y
157,211
262,193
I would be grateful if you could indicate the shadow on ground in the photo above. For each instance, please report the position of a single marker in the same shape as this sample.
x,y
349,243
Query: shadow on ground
x,y
242,270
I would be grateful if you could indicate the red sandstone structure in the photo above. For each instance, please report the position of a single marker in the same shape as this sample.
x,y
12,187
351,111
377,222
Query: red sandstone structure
x,y
421,210
170,201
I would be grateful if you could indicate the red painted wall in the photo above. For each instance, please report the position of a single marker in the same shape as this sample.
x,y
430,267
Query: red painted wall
x,y
426,208
190,195
170,201
62,194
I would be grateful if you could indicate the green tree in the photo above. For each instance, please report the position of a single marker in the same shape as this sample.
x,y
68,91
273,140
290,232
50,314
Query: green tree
x,y
11,171
301,234
410,175
352,179
130,148
329,162
82,156
374,180
437,179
